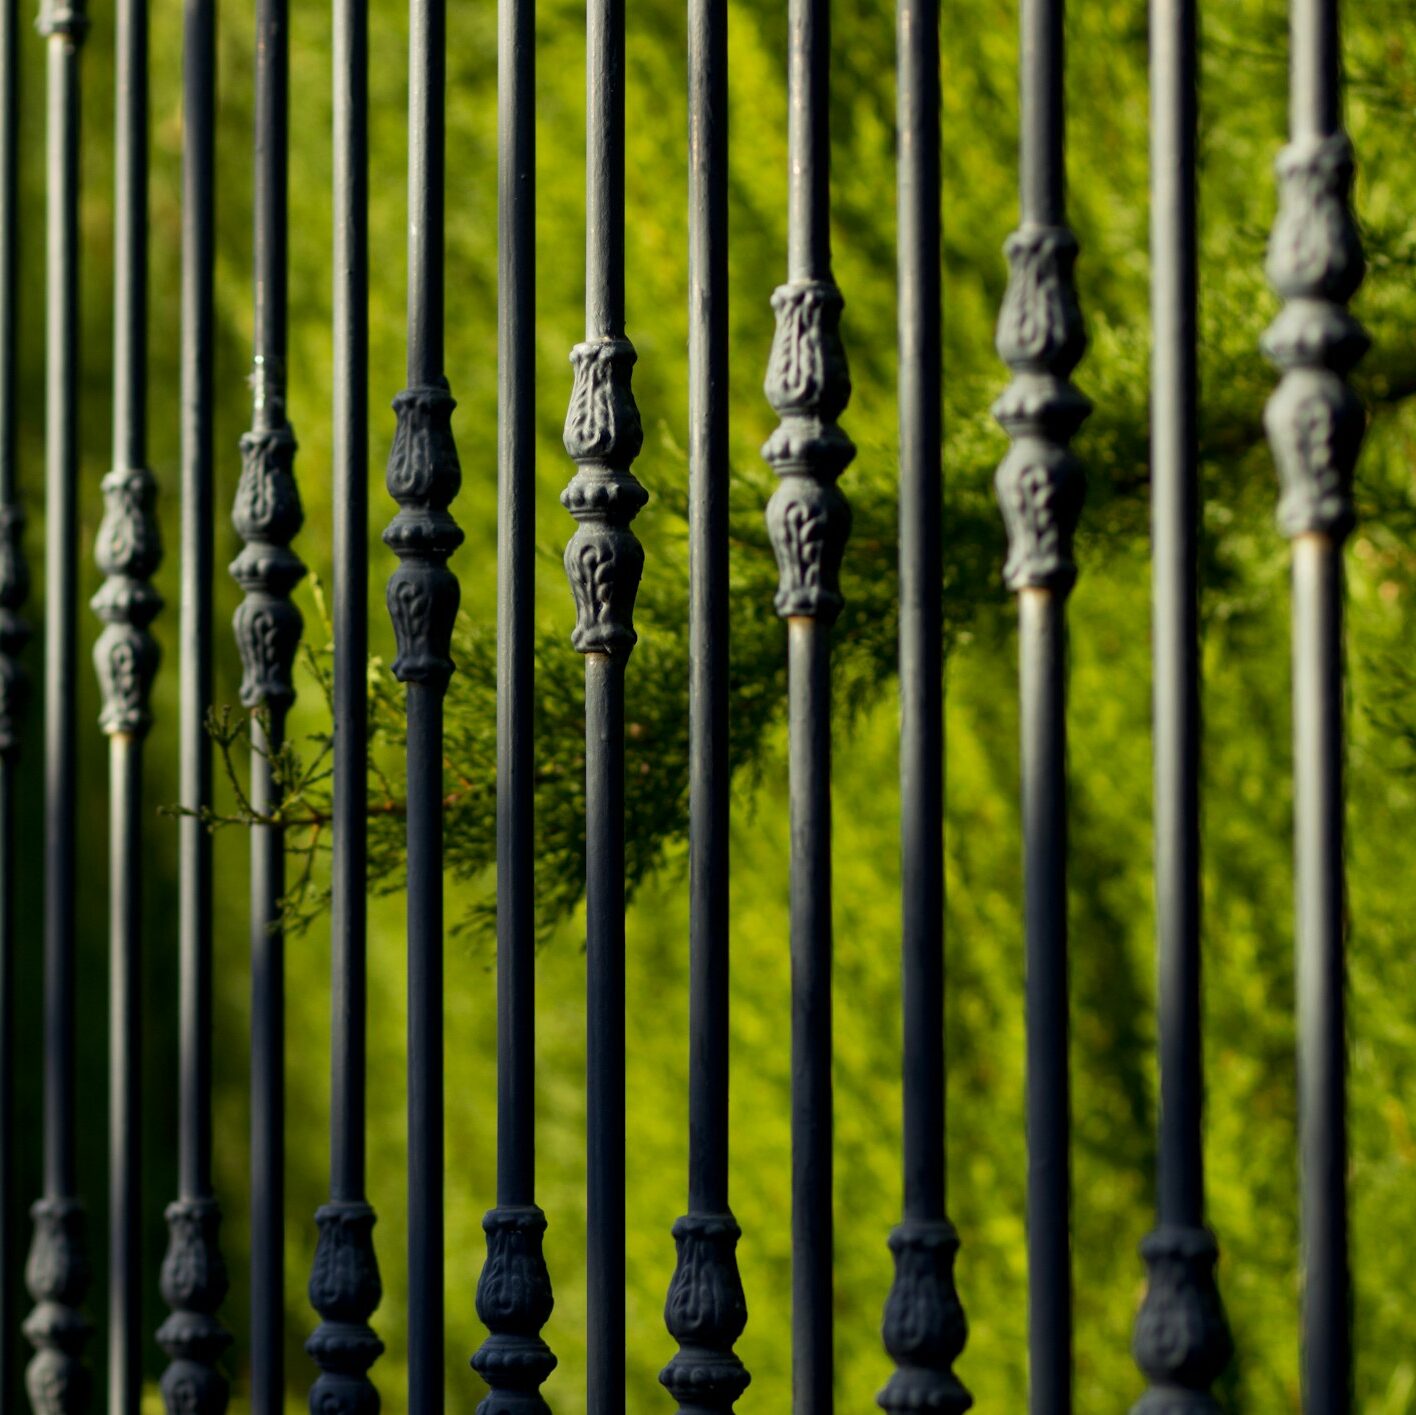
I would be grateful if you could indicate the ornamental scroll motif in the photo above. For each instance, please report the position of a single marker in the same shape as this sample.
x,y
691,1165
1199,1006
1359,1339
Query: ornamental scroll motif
x,y
267,515
603,559
808,385
57,1277
1315,422
1040,483
345,1290
514,1302
924,1328
1182,1340
14,631
193,1283
705,1313
128,550
424,475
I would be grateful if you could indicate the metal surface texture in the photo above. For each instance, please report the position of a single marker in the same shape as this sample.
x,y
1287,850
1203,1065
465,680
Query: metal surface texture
x,y
1315,425
1040,487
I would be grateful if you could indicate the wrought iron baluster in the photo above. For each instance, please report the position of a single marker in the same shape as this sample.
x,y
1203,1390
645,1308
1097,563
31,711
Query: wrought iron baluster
x,y
267,625
14,681
808,520
706,1310
924,1327
126,656
193,1277
1040,488
57,1272
344,1285
1315,424
514,1298
604,562
423,477
1181,1360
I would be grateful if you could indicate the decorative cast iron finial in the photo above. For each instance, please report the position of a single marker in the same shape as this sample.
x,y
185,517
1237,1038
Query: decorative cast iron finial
x,y
705,1313
345,1290
128,550
808,385
1040,483
925,1329
14,631
514,1302
424,475
267,515
1315,422
57,1277
603,559
193,1284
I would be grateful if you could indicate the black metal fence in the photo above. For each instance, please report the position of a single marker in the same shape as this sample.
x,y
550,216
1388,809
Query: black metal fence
x,y
1315,424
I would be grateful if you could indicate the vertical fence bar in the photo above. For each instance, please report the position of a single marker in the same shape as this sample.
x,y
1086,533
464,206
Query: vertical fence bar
x,y
193,1277
1180,1363
14,682
57,1272
128,551
1315,424
423,594
514,1298
925,1328
1040,487
808,520
267,515
604,562
344,1284
706,1310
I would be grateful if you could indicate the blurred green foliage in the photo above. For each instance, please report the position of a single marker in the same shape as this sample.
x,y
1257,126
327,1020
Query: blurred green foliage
x,y
1247,803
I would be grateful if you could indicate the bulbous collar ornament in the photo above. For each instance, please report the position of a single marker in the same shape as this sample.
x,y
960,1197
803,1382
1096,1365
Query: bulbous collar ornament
x,y
128,550
1315,422
808,385
424,475
1182,1339
705,1313
1041,337
924,1328
514,1302
345,1290
604,560
67,19
14,631
193,1284
267,515
57,1278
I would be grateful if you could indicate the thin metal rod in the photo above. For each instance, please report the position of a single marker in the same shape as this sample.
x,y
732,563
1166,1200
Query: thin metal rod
x,y
605,1121
13,635
1043,136
809,139
924,1327
57,1270
130,234
604,169
425,1049
1322,1051
1175,634
125,1246
344,1283
1315,263
267,515
514,1360
1180,1252
1041,644
192,1335
516,587
706,1236
809,698
427,69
